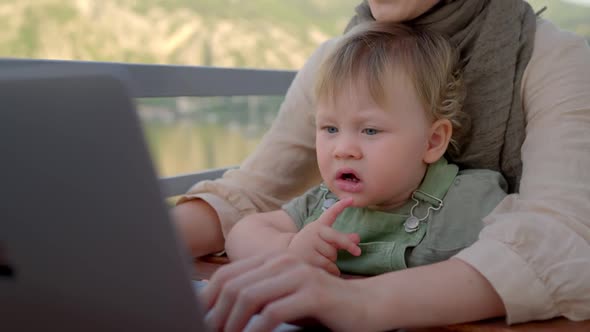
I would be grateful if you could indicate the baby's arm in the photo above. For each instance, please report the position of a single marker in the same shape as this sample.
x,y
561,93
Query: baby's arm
x,y
260,233
275,232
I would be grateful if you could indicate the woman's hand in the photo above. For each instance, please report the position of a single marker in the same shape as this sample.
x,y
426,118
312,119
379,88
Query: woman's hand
x,y
286,289
318,243
282,289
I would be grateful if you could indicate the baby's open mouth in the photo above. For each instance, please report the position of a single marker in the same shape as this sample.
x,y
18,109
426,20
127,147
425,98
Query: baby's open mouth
x,y
348,180
349,177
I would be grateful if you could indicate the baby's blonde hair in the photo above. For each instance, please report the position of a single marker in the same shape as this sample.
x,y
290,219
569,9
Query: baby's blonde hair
x,y
372,53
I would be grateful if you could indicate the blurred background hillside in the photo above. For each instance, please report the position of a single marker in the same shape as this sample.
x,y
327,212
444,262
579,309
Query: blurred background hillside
x,y
192,134
228,33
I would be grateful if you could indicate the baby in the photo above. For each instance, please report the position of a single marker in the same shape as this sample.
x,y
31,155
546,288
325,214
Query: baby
x,y
388,109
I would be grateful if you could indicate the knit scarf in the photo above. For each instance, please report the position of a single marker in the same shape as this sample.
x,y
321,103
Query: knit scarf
x,y
494,39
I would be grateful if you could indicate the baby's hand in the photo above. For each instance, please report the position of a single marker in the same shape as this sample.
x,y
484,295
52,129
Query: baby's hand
x,y
318,243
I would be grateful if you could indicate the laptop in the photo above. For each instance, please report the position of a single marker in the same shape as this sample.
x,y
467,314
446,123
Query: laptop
x,y
86,243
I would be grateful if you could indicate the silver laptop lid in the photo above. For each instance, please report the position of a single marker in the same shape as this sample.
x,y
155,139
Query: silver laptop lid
x,y
85,239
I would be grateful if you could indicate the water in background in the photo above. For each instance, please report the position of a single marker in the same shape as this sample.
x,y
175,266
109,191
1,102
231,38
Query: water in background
x,y
186,135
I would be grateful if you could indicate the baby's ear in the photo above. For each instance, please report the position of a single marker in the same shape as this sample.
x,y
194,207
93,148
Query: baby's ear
x,y
438,140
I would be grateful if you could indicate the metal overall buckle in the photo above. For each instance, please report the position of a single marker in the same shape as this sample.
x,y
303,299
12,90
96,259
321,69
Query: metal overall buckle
x,y
413,223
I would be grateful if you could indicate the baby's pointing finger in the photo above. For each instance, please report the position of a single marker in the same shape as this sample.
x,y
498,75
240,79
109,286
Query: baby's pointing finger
x,y
329,216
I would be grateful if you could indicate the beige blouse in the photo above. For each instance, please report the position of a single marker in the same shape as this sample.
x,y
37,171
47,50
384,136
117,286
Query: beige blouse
x,y
535,247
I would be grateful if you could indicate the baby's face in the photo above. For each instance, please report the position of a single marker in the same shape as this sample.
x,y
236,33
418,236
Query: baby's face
x,y
372,154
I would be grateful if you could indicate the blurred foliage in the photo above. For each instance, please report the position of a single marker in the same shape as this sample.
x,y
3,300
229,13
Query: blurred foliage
x,y
252,33
566,15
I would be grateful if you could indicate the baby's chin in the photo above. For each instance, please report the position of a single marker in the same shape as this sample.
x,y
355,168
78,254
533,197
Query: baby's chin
x,y
382,206
358,201
362,201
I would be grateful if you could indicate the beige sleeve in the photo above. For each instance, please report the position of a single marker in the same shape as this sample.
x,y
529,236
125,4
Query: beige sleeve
x,y
535,247
283,164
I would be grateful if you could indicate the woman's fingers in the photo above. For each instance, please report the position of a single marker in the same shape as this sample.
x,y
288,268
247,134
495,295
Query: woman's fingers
x,y
236,285
286,309
253,297
248,302
338,304
286,289
321,297
210,293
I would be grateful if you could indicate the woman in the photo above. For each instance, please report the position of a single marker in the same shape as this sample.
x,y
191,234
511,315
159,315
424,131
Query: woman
x,y
532,260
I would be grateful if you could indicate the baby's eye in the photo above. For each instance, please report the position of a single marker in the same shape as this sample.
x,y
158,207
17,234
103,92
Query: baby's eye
x,y
370,131
331,130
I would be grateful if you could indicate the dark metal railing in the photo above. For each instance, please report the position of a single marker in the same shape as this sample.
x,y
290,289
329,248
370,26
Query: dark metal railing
x,y
147,81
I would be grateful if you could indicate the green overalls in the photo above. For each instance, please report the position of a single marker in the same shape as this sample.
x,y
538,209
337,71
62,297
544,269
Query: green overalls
x,y
388,242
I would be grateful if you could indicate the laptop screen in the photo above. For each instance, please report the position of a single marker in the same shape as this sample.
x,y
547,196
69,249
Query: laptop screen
x,y
85,239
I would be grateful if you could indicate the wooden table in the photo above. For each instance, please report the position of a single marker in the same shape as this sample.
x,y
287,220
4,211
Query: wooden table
x,y
206,266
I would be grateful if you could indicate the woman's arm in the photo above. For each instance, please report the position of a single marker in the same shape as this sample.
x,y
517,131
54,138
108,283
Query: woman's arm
x,y
260,233
444,293
285,289
282,166
535,248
